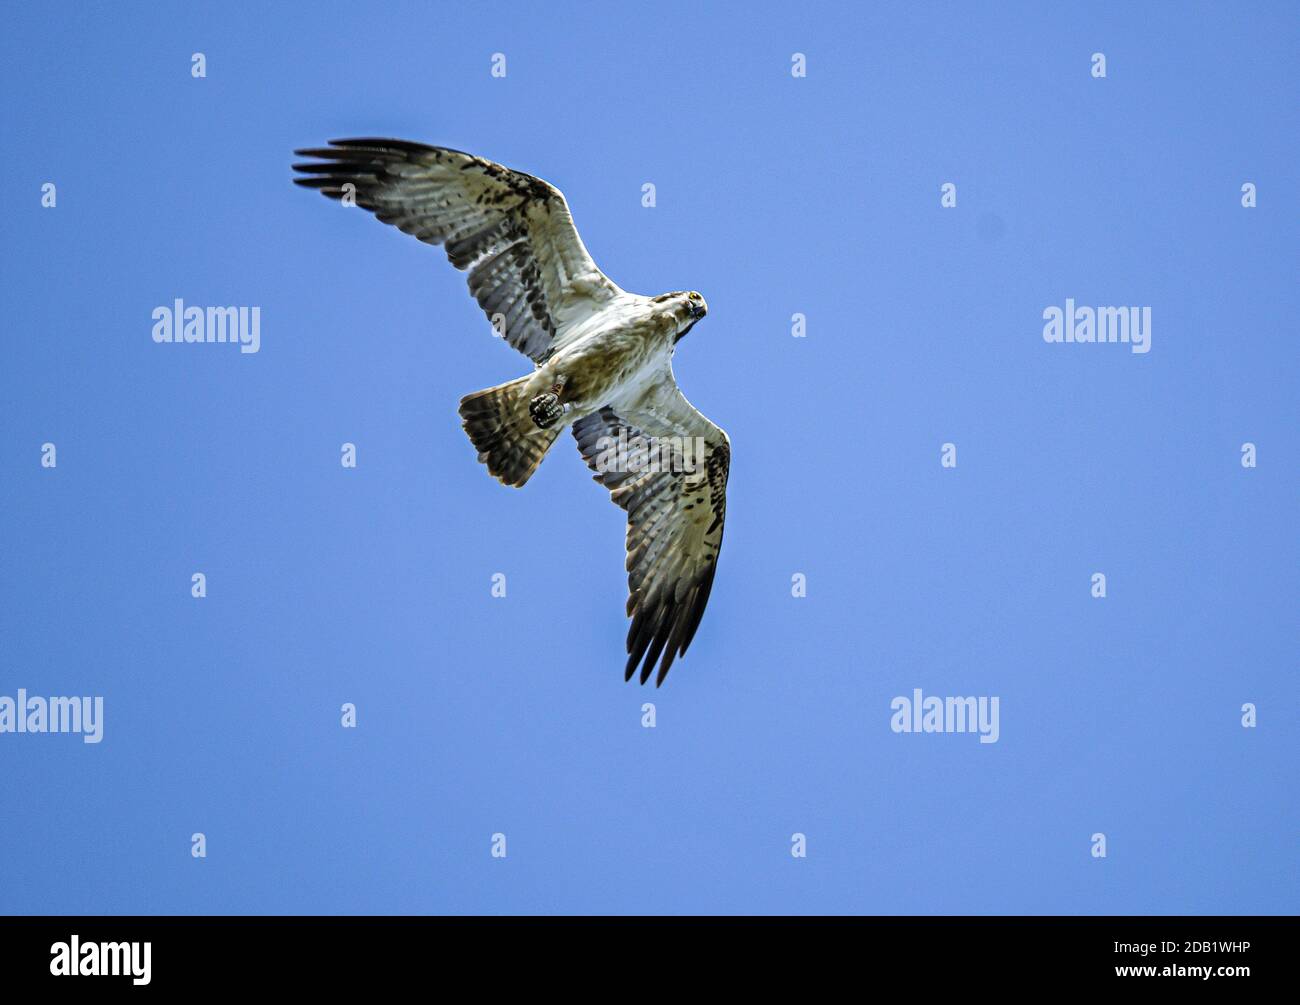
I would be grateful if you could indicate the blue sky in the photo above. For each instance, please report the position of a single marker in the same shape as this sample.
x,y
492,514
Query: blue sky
x,y
775,196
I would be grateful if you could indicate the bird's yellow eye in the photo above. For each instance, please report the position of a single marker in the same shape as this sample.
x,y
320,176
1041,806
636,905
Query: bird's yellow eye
x,y
695,296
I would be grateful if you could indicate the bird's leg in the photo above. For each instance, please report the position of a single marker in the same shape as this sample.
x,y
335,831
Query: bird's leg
x,y
546,409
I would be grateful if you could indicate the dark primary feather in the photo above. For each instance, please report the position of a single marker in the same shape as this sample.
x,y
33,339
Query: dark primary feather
x,y
674,526
528,268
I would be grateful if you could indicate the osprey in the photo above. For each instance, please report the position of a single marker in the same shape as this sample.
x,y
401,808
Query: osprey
x,y
603,365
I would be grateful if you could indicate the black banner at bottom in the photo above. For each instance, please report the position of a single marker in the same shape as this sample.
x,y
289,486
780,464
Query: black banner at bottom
x,y
335,954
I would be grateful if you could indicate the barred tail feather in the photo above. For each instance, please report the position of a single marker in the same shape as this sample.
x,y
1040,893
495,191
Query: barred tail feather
x,y
503,432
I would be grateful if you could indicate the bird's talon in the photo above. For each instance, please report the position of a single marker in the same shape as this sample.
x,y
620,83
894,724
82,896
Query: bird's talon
x,y
545,409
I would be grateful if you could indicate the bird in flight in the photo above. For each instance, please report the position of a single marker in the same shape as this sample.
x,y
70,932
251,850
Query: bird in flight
x,y
603,365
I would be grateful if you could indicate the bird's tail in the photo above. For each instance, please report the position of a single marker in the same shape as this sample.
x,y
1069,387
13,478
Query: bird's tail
x,y
503,432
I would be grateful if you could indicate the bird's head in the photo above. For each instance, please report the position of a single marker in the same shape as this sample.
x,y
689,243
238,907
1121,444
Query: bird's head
x,y
687,307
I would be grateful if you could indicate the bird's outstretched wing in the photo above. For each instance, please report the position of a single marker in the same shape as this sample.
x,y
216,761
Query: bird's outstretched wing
x,y
528,268
667,465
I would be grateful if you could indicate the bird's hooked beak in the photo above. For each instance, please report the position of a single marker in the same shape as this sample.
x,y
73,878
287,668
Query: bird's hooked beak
x,y
696,309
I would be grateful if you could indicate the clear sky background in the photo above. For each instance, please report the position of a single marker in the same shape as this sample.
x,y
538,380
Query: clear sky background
x,y
776,195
